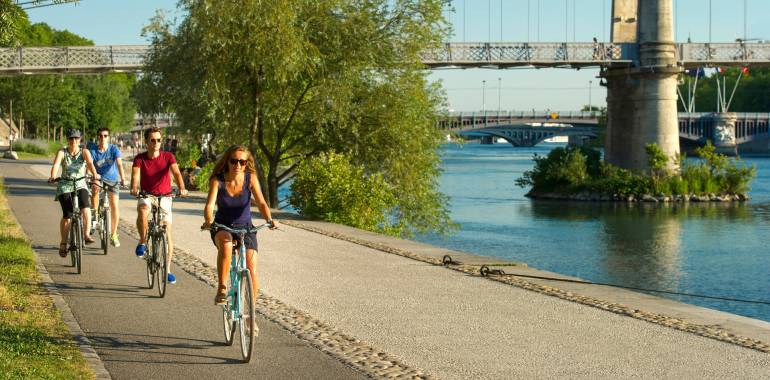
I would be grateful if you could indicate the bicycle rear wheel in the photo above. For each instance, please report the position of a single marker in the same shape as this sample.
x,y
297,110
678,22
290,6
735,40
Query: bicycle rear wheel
x,y
246,302
161,263
106,229
228,322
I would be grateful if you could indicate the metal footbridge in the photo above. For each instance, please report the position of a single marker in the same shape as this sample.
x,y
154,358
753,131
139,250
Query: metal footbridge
x,y
130,58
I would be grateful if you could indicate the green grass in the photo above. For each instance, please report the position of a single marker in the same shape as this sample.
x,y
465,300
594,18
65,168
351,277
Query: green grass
x,y
32,156
34,342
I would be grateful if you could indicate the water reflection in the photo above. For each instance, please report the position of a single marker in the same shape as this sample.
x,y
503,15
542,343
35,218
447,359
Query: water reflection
x,y
715,249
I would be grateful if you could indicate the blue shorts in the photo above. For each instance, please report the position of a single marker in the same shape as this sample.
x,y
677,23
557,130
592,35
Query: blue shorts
x,y
250,238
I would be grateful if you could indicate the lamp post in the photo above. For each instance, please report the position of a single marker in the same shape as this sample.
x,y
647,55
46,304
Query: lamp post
x,y
590,106
499,95
484,97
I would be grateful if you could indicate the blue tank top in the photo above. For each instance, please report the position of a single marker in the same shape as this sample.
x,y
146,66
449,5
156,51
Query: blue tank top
x,y
233,210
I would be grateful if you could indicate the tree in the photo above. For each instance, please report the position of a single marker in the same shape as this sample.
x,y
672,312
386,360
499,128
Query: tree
x,y
297,78
12,19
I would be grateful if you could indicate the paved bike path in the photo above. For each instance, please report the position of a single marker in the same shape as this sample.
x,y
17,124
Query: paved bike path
x,y
137,334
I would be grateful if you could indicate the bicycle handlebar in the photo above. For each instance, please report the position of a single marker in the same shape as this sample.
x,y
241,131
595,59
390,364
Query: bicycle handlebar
x,y
238,231
144,194
58,179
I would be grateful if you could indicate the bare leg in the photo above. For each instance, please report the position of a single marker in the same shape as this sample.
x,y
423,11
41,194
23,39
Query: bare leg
x,y
224,244
141,222
251,263
64,229
86,212
170,245
114,213
95,199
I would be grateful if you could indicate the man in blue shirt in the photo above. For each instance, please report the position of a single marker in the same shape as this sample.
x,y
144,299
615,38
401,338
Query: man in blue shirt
x,y
109,165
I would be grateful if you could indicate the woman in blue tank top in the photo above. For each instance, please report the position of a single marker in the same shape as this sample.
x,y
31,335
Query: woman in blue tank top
x,y
232,185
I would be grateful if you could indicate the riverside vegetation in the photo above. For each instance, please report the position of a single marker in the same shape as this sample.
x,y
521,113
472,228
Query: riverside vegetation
x,y
578,173
35,342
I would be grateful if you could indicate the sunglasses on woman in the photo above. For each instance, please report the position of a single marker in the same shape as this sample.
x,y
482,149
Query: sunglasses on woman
x,y
234,161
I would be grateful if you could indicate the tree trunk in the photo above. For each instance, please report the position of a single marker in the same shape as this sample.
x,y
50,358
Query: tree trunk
x,y
272,184
255,127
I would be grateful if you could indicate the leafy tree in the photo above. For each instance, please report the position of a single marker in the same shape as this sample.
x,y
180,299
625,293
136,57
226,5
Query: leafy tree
x,y
294,79
12,19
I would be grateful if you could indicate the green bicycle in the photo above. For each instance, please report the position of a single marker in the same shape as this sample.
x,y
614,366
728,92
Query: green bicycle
x,y
239,308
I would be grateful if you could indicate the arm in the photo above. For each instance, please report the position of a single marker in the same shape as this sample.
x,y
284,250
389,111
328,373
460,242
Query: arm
x,y
55,166
135,180
178,179
208,211
256,192
90,164
121,171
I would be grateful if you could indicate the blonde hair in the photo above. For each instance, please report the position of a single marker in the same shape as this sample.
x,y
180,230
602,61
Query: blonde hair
x,y
221,166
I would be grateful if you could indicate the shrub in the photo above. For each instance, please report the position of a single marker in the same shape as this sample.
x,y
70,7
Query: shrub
x,y
202,179
331,188
570,170
34,146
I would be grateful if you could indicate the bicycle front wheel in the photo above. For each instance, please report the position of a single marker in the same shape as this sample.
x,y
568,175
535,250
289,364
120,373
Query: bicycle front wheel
x,y
247,321
106,225
150,261
161,263
80,242
73,242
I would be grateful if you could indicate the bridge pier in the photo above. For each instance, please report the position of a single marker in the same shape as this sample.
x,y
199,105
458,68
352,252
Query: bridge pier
x,y
641,101
724,133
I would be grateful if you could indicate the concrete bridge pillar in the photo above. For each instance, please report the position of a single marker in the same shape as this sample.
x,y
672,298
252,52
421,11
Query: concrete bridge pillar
x,y
724,133
641,100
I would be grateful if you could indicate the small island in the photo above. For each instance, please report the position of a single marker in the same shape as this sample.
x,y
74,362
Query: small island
x,y
578,173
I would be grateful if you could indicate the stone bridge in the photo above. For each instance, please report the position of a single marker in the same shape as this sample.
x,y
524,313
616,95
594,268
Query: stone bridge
x,y
733,132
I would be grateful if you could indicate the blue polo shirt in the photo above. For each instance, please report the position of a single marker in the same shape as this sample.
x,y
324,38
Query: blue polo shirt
x,y
105,162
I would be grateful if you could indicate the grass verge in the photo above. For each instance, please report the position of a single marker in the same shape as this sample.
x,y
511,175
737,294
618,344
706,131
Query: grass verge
x,y
34,342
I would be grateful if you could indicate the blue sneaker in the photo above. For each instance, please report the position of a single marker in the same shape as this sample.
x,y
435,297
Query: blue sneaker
x,y
171,278
140,250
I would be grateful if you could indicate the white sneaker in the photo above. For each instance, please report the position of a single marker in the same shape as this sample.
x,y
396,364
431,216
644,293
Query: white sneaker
x,y
114,240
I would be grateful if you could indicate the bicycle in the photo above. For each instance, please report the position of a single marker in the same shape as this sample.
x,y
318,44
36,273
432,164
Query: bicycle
x,y
157,242
75,240
240,300
103,221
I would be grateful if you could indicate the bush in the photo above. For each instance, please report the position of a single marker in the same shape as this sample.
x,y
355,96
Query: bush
x,y
563,170
570,170
331,188
202,179
40,147
187,153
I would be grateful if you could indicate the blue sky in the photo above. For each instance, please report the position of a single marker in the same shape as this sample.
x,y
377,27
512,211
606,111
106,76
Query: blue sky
x,y
120,22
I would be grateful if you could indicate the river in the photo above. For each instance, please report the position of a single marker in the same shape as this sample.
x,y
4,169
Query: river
x,y
711,249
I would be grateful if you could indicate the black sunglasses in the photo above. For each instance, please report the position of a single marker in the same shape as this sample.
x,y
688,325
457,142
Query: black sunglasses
x,y
154,140
234,161
105,136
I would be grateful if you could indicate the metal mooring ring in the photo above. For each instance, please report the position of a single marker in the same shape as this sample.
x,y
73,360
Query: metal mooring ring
x,y
447,260
484,270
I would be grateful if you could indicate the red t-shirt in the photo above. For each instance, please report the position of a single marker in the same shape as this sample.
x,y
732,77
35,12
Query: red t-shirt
x,y
154,173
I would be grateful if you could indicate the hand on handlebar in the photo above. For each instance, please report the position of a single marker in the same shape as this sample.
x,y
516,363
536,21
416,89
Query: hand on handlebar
x,y
273,224
183,193
134,191
206,226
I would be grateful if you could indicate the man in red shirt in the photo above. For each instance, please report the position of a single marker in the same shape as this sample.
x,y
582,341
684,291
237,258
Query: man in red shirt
x,y
152,173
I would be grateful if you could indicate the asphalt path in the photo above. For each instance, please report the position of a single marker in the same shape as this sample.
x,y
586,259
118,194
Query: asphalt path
x,y
136,333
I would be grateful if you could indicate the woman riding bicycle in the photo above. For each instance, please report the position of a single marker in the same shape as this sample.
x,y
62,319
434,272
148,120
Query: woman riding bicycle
x,y
74,162
232,184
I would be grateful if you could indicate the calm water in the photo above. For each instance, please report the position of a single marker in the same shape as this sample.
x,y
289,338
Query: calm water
x,y
712,249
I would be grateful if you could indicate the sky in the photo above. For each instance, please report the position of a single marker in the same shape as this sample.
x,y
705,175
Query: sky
x,y
119,22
